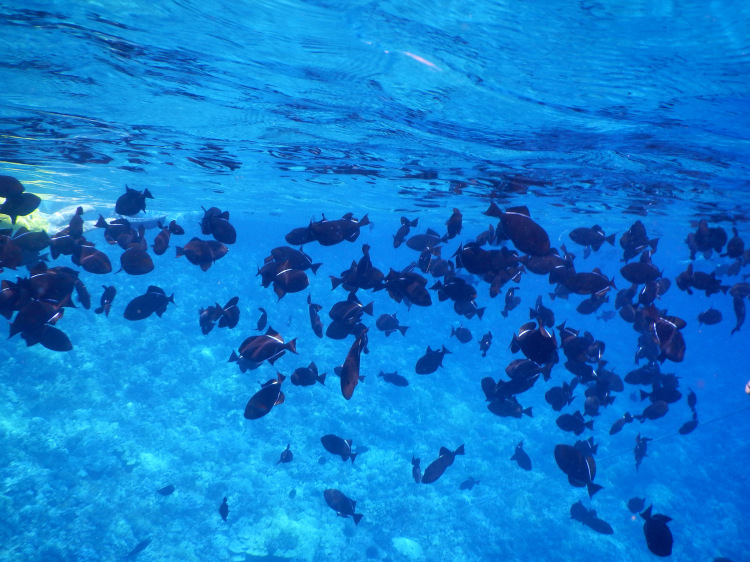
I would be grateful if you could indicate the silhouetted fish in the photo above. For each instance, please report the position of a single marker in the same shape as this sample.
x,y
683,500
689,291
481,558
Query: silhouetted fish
x,y
620,423
511,301
155,300
461,334
286,455
468,484
338,446
343,506
580,469
256,349
521,458
588,517
307,376
91,259
658,536
437,467
641,446
224,509
19,205
739,312
136,261
485,343
592,237
132,202
266,398
689,426
349,375
416,472
394,378
388,323
430,361
140,547
166,490
526,235
315,322
263,320
636,505
710,317
574,422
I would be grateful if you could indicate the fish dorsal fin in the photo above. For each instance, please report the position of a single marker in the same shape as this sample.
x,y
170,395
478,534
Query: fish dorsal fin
x,y
520,210
155,289
274,334
444,451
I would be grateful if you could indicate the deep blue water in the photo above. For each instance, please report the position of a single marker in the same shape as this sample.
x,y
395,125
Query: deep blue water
x,y
282,112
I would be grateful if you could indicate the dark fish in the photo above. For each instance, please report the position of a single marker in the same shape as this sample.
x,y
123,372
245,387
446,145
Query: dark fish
x,y
588,283
230,314
75,226
635,240
579,468
155,300
262,321
19,205
689,426
202,253
315,321
574,422
10,186
527,236
224,509
636,505
416,472
430,361
654,411
735,246
454,224
426,241
91,259
692,400
256,349
436,468
307,376
403,231
31,241
343,506
521,458
508,408
468,309
338,446
216,223
641,446
560,396
266,398
349,376
286,455
175,228
485,343
739,312
136,261
132,201
140,547
642,271
592,237
511,301
588,517
587,447
620,423
394,378
288,280
468,484
658,536
297,258
536,343
710,317
462,334
106,301
161,241
388,323
166,490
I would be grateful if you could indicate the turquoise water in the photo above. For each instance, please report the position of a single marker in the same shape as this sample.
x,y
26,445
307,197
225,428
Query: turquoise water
x,y
282,112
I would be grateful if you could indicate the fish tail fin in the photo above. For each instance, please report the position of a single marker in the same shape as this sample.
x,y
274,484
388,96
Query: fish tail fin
x,y
357,518
353,456
368,309
527,411
647,513
593,488
504,312
322,379
403,329
547,372
234,358
364,221
292,345
314,267
590,424
147,193
610,239
644,394
480,312
101,222
335,282
180,251
444,351
459,451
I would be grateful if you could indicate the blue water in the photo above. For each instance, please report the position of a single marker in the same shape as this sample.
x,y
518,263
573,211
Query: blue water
x,y
281,112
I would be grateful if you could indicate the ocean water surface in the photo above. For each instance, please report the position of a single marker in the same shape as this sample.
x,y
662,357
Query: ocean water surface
x,y
284,113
